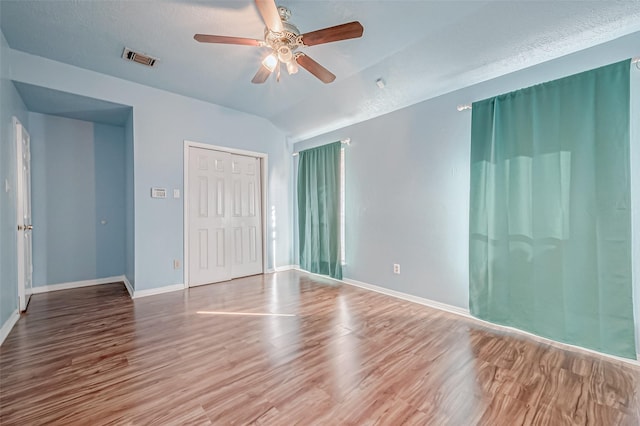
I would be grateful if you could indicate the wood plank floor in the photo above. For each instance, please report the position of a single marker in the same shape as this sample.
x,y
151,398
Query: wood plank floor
x,y
335,355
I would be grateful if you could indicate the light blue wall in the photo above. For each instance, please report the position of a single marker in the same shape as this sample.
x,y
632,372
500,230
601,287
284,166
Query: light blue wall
x,y
78,199
10,105
161,123
110,166
407,189
407,183
129,268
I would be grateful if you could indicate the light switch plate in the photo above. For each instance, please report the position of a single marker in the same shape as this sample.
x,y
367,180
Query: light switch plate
x,y
176,193
158,193
7,187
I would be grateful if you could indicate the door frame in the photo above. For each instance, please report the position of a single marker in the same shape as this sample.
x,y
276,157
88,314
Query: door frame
x,y
23,297
263,157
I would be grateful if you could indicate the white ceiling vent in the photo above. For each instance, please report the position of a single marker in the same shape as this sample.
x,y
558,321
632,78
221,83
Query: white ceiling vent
x,y
140,58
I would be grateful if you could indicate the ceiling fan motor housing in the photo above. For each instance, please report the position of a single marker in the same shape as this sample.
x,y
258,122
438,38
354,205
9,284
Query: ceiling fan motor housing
x,y
286,42
289,37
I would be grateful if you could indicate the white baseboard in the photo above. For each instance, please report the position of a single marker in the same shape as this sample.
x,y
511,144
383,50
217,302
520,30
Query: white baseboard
x,y
465,313
285,268
410,298
128,285
76,284
282,268
8,325
158,290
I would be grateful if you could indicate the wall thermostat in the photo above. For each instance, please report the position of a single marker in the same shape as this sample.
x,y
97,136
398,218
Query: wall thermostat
x,y
158,193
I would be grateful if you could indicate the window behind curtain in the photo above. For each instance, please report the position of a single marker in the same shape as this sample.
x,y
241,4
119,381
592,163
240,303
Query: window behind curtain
x,y
319,210
550,237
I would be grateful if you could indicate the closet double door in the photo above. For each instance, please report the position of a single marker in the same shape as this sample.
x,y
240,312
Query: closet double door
x,y
225,216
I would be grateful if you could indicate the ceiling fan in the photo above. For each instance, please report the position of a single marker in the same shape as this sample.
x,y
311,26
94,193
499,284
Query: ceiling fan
x,y
284,38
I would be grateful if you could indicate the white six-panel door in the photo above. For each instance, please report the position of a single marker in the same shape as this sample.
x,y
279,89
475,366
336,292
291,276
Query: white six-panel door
x,y
225,216
246,217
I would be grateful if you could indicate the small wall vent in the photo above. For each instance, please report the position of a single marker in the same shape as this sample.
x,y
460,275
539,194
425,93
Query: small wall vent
x,y
140,58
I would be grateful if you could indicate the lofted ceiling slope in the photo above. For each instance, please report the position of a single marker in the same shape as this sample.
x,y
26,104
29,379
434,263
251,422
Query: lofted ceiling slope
x,y
420,48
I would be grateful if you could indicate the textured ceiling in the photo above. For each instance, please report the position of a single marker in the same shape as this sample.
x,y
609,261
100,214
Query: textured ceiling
x,y
420,48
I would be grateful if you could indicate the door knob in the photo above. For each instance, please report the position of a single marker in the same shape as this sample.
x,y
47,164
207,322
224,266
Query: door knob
x,y
25,227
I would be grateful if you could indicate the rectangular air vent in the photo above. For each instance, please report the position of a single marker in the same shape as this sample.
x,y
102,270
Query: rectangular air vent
x,y
140,58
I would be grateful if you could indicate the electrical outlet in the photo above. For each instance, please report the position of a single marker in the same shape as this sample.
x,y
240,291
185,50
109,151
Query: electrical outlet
x,y
176,263
396,268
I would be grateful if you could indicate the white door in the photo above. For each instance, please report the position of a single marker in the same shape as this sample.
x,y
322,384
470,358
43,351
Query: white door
x,y
209,175
246,219
225,217
23,202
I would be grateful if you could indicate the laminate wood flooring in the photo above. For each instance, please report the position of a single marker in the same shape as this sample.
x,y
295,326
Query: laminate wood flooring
x,y
290,348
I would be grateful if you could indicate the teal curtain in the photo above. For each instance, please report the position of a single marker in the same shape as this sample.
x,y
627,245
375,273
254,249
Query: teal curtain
x,y
550,220
319,210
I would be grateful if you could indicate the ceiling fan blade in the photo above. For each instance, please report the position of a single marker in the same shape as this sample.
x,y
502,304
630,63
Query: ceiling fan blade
x,y
339,32
207,38
262,75
315,68
270,15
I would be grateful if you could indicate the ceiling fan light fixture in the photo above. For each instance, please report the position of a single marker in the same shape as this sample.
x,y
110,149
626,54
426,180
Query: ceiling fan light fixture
x,y
270,62
292,67
285,54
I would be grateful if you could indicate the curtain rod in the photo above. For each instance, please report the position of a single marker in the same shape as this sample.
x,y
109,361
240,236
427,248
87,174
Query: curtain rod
x,y
345,141
464,107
